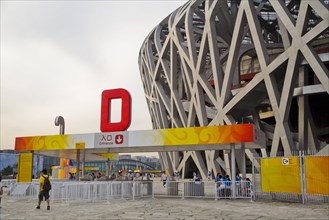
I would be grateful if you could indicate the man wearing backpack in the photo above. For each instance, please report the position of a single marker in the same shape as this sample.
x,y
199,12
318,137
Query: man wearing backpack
x,y
45,187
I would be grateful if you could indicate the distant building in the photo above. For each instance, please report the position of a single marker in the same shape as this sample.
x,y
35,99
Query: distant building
x,y
48,162
125,156
127,162
10,158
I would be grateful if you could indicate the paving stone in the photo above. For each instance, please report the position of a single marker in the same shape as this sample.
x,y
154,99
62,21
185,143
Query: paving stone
x,y
163,208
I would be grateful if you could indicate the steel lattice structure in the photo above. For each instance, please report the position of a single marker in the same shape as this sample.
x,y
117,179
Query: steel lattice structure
x,y
251,61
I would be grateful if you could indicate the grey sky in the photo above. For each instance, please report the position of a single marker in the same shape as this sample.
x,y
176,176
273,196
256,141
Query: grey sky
x,y
58,56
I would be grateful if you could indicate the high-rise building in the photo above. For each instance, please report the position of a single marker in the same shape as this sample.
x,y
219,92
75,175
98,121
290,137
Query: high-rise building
x,y
253,61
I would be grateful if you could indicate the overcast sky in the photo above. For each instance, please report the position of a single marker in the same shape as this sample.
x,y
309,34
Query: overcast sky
x,y
58,56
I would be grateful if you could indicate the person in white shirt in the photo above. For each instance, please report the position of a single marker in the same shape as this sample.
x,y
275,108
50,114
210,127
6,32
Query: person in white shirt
x,y
164,178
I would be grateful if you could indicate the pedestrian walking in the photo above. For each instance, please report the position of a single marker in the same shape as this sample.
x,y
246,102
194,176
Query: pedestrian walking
x,y
45,187
164,178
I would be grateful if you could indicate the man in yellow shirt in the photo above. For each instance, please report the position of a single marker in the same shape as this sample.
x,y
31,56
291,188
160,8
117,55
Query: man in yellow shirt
x,y
44,188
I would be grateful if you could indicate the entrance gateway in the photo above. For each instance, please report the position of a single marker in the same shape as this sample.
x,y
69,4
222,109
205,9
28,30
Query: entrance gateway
x,y
98,146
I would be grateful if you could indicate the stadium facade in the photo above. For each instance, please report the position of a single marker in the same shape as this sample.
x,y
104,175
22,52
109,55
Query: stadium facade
x,y
253,61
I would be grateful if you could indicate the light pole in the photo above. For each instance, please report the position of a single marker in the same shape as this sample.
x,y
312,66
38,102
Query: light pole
x,y
59,121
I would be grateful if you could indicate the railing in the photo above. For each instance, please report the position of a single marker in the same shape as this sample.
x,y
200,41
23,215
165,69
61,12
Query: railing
x,y
74,191
9,183
185,189
94,191
243,189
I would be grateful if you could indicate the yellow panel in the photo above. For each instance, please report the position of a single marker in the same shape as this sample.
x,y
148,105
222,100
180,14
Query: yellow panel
x,y
25,167
61,173
317,175
111,156
80,145
280,175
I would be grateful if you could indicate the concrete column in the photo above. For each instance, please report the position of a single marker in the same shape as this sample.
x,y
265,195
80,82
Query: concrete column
x,y
83,162
302,101
107,165
162,162
175,160
78,165
169,164
243,161
233,170
37,169
227,162
32,163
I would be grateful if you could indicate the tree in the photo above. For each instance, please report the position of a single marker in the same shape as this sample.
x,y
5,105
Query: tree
x,y
9,170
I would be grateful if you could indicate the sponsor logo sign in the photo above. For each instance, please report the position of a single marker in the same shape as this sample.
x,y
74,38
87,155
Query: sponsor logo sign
x,y
106,124
285,161
112,139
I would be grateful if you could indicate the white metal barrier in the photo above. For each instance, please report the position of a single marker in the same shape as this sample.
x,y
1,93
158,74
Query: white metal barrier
x,y
9,185
169,189
92,191
201,189
243,189
8,182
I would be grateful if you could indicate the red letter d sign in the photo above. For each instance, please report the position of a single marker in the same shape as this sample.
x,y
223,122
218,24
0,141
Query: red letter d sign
x,y
107,96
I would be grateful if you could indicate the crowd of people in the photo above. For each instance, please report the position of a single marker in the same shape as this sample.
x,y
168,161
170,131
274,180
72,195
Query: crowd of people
x,y
223,184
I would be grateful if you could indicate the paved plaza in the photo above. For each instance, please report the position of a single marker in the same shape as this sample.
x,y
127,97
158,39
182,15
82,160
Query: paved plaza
x,y
164,208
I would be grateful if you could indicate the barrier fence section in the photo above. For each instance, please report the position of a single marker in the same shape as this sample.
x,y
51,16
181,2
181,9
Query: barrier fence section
x,y
93,191
87,191
201,189
74,191
300,178
243,189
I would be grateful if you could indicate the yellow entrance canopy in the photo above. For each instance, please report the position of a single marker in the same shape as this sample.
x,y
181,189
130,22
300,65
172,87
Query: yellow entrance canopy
x,y
173,139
